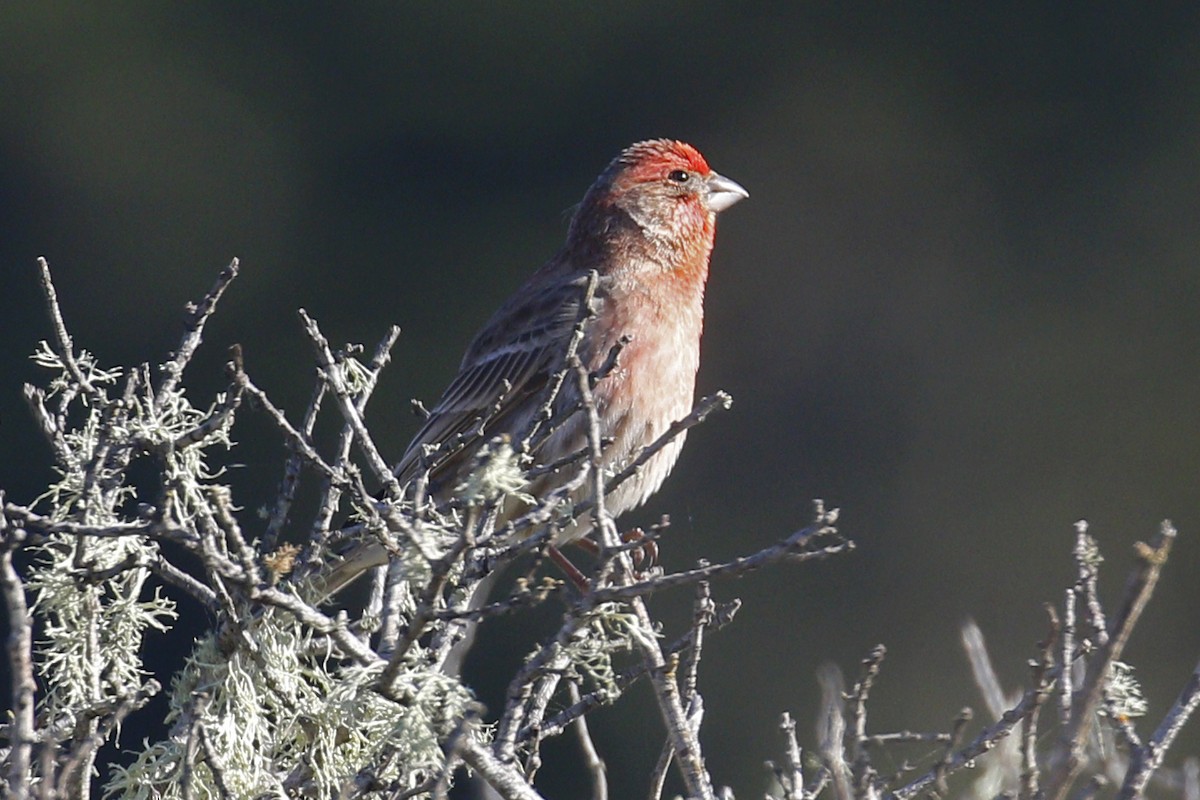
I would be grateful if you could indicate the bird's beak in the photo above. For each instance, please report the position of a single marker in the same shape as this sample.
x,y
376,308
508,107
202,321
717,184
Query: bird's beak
x,y
722,192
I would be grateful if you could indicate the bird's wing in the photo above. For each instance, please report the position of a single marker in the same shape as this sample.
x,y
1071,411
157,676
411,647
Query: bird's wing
x,y
506,366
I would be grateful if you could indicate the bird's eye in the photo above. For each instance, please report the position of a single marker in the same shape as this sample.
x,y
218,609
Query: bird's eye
x,y
679,176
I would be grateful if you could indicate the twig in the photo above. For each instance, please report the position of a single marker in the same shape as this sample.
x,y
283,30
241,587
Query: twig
x,y
216,764
189,723
831,730
197,316
591,759
1087,559
294,438
504,778
452,751
790,549
703,609
1140,587
1042,669
66,349
291,477
626,678
943,767
791,777
331,494
984,741
41,525
107,715
583,317
696,780
35,398
902,737
522,597
335,629
860,759
982,670
1145,760
20,664
1067,655
424,614
714,402
171,574
333,371
658,775
219,418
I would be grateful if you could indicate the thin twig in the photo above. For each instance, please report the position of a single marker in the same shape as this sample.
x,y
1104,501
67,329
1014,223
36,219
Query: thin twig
x,y
331,493
333,370
860,758
171,574
504,778
66,349
792,777
903,737
35,398
40,526
1140,587
703,609
291,477
1087,559
1067,655
216,764
557,724
792,549
335,629
696,780
22,735
984,741
982,670
718,401
1145,760
583,318
1042,669
107,715
220,417
591,759
197,316
294,438
943,767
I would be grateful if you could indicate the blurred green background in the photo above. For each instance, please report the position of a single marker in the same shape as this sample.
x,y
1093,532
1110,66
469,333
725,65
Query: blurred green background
x,y
960,304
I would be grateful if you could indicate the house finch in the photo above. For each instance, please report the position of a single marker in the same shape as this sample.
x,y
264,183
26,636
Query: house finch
x,y
645,227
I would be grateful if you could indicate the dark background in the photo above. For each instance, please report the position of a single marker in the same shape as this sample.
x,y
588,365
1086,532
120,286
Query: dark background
x,y
960,304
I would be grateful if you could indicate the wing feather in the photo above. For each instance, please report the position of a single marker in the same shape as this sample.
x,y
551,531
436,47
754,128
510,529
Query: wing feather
x,y
502,375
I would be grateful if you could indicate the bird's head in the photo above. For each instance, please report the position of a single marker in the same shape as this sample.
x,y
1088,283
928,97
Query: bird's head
x,y
666,189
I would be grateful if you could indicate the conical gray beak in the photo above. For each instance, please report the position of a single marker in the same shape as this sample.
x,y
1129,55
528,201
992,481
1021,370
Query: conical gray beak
x,y
723,192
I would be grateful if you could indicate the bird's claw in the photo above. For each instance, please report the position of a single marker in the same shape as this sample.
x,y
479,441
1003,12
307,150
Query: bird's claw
x,y
645,554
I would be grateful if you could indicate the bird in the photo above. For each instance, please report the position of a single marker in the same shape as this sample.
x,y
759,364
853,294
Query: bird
x,y
639,244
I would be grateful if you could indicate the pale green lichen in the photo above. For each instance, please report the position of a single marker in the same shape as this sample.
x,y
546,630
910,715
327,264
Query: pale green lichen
x,y
286,717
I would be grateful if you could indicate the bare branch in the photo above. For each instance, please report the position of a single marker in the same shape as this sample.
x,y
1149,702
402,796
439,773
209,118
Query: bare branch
x,y
508,782
294,438
23,733
860,759
591,759
197,317
1140,587
1145,760
66,348
792,549
714,402
1042,669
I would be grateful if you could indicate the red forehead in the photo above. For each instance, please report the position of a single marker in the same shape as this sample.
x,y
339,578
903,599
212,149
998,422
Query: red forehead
x,y
655,158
